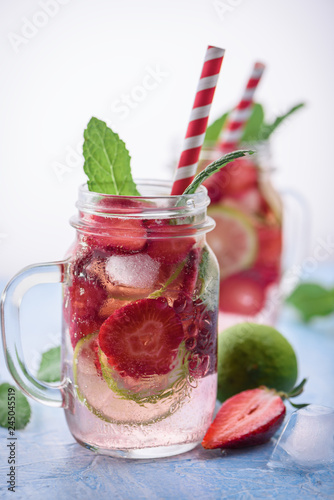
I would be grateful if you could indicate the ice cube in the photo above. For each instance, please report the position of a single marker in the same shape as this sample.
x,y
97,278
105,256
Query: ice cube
x,y
139,271
307,440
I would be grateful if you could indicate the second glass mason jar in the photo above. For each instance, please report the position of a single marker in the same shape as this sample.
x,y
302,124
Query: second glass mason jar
x,y
140,311
247,239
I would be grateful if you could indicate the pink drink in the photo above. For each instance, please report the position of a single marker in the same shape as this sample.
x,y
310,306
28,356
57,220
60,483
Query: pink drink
x,y
247,241
140,324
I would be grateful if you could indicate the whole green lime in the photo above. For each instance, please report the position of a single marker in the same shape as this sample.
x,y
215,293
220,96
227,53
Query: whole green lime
x,y
250,355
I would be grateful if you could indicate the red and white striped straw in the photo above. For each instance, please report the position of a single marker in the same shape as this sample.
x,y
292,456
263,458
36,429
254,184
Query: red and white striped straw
x,y
236,122
198,121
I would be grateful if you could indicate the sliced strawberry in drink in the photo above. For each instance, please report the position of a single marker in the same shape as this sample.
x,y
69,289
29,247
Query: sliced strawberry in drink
x,y
81,306
124,234
163,245
270,245
247,419
142,338
264,275
204,360
240,294
190,271
234,179
241,175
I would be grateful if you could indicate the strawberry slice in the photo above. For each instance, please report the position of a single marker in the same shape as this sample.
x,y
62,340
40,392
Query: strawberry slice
x,y
82,302
142,338
123,234
270,245
163,245
233,180
241,294
249,418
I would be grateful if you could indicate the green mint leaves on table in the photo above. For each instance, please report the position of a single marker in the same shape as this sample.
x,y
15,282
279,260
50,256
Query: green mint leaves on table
x,y
214,167
107,161
312,300
19,404
49,371
256,129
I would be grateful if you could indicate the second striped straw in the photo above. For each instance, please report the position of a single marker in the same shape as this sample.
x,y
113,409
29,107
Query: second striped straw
x,y
195,134
238,118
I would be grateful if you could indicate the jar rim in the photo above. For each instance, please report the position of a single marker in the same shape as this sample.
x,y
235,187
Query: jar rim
x,y
155,202
155,192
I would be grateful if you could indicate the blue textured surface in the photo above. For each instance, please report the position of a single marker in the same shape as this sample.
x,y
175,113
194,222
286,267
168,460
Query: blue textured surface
x,y
51,465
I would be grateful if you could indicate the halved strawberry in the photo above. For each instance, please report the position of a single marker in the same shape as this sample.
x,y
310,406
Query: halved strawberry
x,y
164,245
264,275
236,178
241,294
82,301
249,418
270,245
122,233
142,338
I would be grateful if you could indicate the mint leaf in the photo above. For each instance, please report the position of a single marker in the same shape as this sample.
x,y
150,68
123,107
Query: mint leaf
x,y
12,399
312,300
214,167
213,131
107,161
267,129
49,370
254,125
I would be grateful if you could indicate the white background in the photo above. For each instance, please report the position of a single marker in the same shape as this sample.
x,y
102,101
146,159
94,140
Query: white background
x,y
90,53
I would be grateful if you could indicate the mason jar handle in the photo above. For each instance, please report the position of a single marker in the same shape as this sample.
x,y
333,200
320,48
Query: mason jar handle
x,y
51,272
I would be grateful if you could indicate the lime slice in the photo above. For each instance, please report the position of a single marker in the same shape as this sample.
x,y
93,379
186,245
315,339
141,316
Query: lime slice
x,y
234,240
124,400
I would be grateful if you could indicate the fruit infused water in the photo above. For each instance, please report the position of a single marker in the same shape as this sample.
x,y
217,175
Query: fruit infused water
x,y
247,240
140,322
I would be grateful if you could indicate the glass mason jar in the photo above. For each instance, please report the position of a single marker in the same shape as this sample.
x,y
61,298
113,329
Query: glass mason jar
x,y
247,239
140,310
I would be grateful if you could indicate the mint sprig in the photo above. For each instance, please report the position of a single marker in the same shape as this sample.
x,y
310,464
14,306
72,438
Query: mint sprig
x,y
213,131
214,167
312,300
268,128
107,161
15,400
49,370
256,129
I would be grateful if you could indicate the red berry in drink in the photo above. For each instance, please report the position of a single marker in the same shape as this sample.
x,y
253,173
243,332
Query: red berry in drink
x,y
122,234
163,245
142,338
240,294
81,307
270,245
233,180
